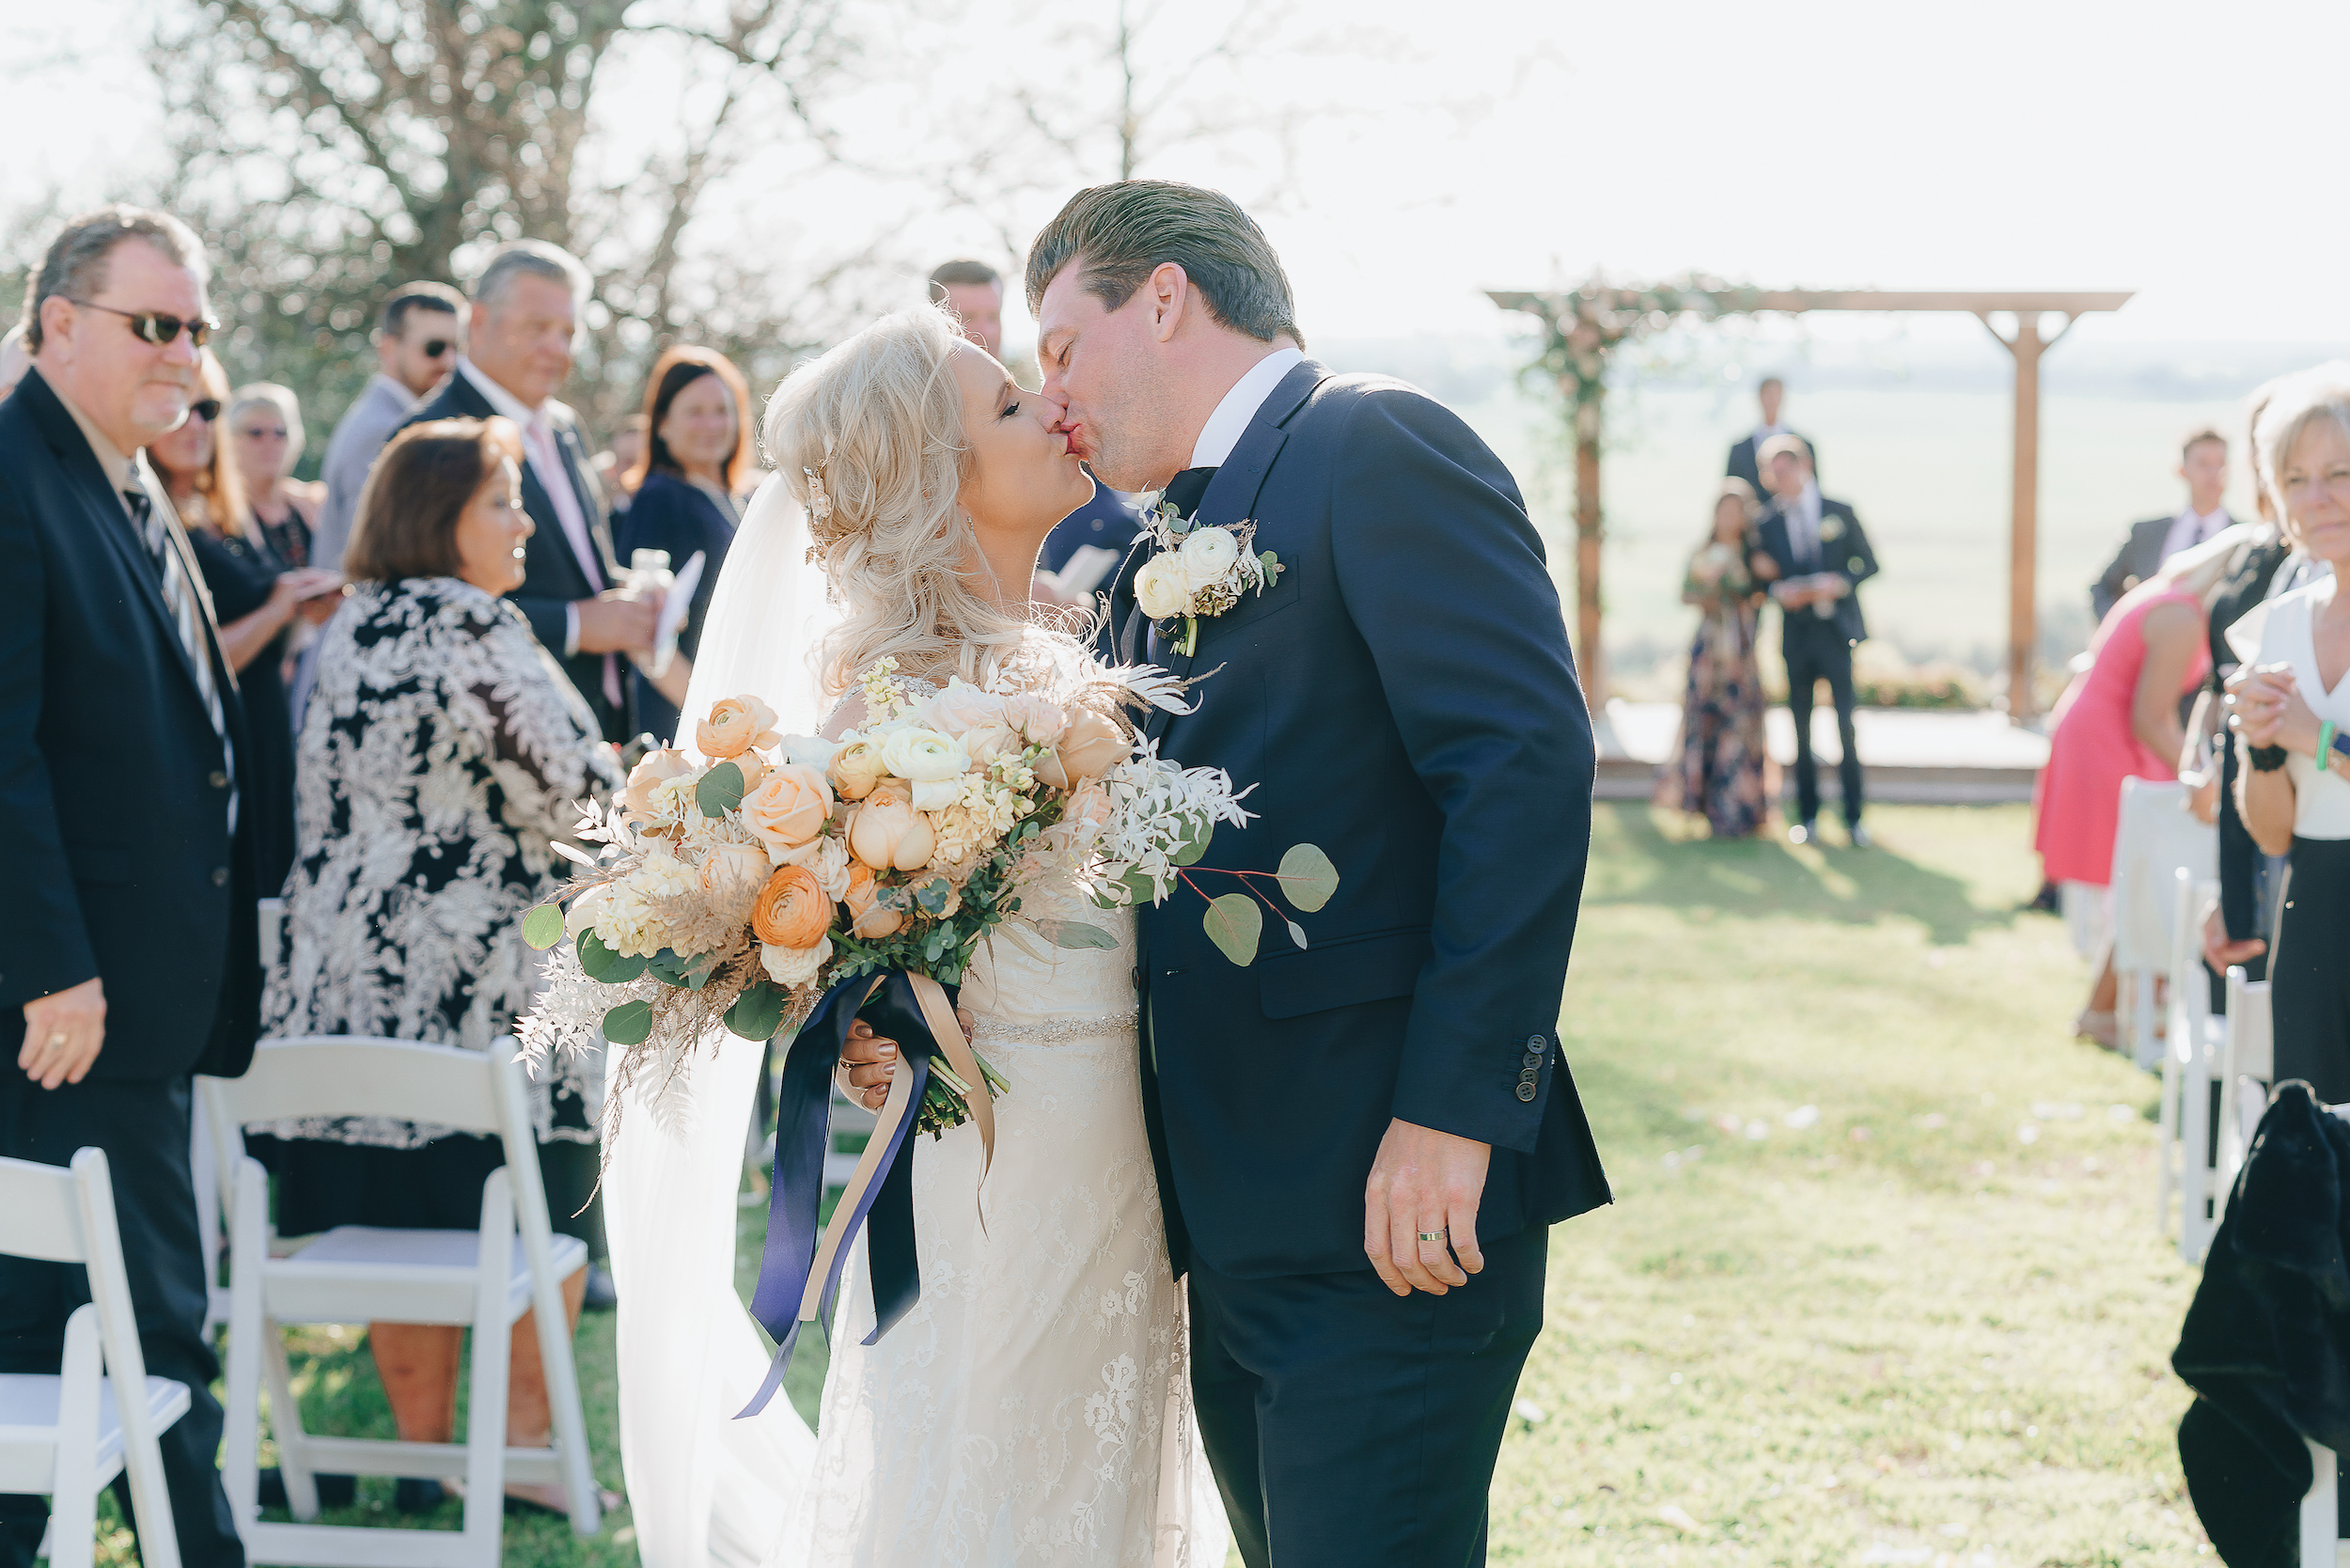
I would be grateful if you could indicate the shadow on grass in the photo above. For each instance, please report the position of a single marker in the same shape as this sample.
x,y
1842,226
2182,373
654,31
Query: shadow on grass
x,y
1766,877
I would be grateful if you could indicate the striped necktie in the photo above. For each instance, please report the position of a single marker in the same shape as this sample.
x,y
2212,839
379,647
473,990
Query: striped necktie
x,y
179,602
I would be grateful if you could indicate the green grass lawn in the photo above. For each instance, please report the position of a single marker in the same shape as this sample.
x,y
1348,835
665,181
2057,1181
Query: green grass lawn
x,y
1882,1284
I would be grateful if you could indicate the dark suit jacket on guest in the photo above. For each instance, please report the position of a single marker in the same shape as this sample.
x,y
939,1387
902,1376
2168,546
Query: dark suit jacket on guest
x,y
121,865
1405,698
1743,465
552,579
1847,554
2139,559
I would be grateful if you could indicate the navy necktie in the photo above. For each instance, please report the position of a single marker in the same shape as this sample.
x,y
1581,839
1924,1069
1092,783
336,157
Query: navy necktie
x,y
1186,489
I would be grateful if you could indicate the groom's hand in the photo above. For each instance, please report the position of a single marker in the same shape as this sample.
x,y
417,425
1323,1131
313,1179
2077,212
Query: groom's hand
x,y
1424,1182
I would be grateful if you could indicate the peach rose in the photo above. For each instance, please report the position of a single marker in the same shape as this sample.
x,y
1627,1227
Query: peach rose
x,y
872,920
790,807
731,869
657,768
1038,720
962,706
887,833
1093,746
792,911
754,768
737,725
855,767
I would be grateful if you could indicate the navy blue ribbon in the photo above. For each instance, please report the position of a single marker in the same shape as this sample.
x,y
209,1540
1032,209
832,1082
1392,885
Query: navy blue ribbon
x,y
803,1136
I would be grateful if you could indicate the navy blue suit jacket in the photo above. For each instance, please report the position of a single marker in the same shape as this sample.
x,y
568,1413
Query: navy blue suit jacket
x,y
552,578
1405,698
1847,554
127,874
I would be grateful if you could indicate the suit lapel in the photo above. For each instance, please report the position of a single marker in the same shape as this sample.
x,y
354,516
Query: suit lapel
x,y
1232,495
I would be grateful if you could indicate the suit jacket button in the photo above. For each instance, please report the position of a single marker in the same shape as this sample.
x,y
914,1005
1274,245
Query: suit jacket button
x,y
1526,1092
1537,1041
220,779
220,876
1533,1059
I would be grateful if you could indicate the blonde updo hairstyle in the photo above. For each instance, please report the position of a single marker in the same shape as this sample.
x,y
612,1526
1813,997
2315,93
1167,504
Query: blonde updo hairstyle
x,y
878,423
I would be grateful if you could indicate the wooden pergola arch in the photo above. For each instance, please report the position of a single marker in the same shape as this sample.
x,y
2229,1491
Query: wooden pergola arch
x,y
1584,328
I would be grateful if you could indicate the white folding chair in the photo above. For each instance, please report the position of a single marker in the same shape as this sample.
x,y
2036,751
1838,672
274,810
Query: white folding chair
x,y
2192,1068
2155,835
204,1160
2249,1069
70,1432
484,1280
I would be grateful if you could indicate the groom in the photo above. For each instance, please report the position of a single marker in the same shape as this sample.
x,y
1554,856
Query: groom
x,y
1360,1145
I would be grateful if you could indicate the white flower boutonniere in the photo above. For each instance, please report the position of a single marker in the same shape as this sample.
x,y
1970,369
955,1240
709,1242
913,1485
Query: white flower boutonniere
x,y
1200,570
1831,526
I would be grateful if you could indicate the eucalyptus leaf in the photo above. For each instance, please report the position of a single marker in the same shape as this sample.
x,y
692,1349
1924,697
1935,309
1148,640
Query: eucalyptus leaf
x,y
1197,832
602,964
630,1024
1234,924
543,928
720,790
757,1013
1298,933
689,974
1307,878
1075,934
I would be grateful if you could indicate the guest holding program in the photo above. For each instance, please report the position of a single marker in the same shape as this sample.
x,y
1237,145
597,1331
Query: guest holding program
x,y
519,338
442,754
125,781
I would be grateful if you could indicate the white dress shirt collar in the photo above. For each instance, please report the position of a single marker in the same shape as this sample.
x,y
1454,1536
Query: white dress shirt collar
x,y
2191,527
501,401
1225,427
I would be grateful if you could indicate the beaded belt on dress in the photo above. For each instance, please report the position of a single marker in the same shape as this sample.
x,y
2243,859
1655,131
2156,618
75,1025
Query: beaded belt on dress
x,y
1055,1031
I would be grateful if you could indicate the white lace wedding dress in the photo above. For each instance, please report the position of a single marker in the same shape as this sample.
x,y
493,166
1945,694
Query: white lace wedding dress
x,y
1035,1407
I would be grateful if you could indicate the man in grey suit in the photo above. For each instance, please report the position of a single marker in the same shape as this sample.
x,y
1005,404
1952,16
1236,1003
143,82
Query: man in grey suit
x,y
417,339
2203,465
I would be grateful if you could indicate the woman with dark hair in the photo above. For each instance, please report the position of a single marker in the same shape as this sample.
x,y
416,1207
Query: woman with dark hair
x,y
697,460
257,598
1718,772
444,753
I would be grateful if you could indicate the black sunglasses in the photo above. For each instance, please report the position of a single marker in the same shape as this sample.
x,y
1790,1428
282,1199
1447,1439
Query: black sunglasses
x,y
434,348
206,408
156,327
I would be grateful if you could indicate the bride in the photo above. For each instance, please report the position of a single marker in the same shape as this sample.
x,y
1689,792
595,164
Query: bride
x,y
1035,1407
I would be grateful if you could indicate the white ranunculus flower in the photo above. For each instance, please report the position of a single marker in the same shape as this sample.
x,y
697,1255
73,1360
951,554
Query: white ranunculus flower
x,y
937,795
1162,587
810,750
923,755
1208,554
794,966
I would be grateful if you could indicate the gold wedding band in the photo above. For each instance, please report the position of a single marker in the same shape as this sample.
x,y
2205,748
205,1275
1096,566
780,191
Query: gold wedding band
x,y
1434,1235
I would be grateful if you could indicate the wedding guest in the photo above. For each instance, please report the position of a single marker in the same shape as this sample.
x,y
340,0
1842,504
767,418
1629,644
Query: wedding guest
x,y
1719,769
973,293
2203,467
256,599
2292,708
15,359
620,463
418,338
698,461
1746,459
519,337
1814,554
2119,719
442,754
125,780
266,437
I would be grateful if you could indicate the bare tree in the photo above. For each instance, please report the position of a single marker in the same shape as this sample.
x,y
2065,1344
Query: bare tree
x,y
333,148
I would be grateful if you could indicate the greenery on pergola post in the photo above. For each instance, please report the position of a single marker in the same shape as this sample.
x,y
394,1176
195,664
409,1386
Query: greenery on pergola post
x,y
1582,329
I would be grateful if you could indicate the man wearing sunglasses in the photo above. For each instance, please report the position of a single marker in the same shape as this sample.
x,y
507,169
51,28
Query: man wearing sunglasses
x,y
129,931
417,340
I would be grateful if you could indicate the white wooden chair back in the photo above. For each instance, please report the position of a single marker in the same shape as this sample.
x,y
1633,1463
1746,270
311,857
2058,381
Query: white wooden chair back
x,y
2250,1070
472,1092
2192,1065
2155,835
68,1217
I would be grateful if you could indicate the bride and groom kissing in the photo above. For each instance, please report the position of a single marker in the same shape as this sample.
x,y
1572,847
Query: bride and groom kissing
x,y
1290,1218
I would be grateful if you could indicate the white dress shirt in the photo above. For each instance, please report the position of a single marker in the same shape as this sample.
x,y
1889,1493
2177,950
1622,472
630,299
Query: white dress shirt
x,y
1223,430
2191,528
1802,523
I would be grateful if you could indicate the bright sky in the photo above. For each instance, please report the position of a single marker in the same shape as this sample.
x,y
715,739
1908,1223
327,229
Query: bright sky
x,y
2179,150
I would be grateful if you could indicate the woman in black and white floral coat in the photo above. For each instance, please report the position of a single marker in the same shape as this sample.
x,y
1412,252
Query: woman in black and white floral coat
x,y
443,751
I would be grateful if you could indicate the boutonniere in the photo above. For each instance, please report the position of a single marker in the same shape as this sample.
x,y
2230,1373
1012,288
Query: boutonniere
x,y
1831,526
1199,570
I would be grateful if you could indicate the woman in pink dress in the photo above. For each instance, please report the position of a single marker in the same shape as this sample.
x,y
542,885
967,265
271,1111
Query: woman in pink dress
x,y
2121,719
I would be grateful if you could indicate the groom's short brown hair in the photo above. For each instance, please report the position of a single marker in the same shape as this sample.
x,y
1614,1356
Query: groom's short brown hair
x,y
1121,233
